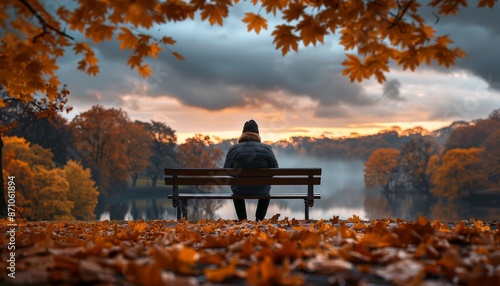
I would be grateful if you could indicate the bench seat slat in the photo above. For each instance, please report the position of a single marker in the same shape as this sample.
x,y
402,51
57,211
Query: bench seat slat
x,y
197,181
231,196
244,172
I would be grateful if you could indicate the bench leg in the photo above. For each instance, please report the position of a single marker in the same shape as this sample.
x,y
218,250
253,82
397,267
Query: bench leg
x,y
184,204
306,210
179,211
182,209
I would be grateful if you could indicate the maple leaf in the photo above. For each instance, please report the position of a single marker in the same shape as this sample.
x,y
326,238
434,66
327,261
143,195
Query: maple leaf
x,y
379,76
489,3
353,68
100,32
154,50
178,56
444,40
334,219
127,39
82,65
220,274
377,64
255,22
426,55
80,47
285,39
447,58
134,61
307,239
273,5
425,33
311,31
294,12
91,59
354,219
409,59
479,226
93,70
167,40
214,14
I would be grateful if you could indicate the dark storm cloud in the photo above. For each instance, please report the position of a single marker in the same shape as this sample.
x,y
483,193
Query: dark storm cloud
x,y
477,31
391,90
220,72
311,72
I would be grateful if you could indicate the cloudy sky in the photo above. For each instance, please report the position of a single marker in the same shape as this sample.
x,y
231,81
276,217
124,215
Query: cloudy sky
x,y
229,76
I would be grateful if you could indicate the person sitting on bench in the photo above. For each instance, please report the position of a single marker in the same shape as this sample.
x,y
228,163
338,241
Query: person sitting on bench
x,y
250,152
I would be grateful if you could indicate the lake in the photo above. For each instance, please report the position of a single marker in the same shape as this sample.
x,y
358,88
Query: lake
x,y
343,194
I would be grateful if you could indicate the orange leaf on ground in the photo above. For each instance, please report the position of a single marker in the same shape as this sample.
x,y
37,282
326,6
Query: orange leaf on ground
x,y
220,274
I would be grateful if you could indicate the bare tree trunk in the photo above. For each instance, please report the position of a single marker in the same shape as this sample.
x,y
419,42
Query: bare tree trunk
x,y
153,181
3,203
134,179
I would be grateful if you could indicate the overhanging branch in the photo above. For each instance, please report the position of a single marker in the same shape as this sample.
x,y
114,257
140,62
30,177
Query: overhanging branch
x,y
401,13
45,26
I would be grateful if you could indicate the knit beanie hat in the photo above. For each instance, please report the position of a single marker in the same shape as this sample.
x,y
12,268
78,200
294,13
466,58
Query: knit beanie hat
x,y
251,126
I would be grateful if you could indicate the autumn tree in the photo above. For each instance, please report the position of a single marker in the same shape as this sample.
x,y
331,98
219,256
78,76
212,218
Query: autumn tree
x,y
491,158
101,145
82,191
473,135
162,150
42,185
139,151
34,155
36,33
50,133
495,115
19,160
199,152
460,173
105,144
33,164
413,162
379,167
13,110
484,133
52,196
25,187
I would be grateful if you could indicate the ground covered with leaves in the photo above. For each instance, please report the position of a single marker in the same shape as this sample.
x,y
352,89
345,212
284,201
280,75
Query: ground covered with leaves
x,y
272,252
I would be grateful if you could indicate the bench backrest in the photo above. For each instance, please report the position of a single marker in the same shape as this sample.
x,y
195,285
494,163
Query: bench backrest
x,y
239,176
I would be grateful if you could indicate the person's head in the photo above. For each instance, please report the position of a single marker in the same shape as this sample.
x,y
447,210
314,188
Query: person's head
x,y
251,126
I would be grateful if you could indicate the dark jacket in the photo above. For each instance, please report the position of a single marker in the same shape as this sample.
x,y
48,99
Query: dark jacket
x,y
250,153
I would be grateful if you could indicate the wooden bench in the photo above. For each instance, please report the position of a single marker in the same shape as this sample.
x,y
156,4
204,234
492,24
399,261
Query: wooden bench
x,y
237,176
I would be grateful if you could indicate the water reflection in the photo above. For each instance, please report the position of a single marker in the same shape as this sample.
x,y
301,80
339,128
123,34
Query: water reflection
x,y
374,205
410,206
